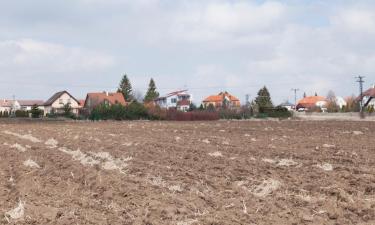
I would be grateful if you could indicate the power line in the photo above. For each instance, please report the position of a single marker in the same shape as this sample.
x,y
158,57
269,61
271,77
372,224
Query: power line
x,y
360,82
295,96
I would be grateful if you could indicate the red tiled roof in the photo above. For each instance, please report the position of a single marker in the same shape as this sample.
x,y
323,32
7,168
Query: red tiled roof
x,y
310,101
220,97
81,102
112,98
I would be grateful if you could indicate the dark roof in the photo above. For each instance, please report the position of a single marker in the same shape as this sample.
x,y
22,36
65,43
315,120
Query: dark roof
x,y
172,94
57,95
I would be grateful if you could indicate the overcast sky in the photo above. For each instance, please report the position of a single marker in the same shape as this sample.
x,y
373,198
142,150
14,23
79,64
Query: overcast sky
x,y
206,46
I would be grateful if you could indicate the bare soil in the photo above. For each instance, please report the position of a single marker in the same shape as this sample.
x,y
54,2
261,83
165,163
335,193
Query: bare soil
x,y
187,173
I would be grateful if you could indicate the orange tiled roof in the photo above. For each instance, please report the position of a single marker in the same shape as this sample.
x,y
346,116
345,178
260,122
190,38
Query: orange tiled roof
x,y
311,100
220,97
112,98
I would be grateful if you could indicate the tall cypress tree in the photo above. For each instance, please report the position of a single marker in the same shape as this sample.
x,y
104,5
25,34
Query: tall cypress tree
x,y
126,88
263,100
151,92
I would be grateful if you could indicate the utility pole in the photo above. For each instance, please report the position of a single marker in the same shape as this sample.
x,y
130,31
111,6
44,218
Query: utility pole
x,y
13,110
247,96
295,97
360,82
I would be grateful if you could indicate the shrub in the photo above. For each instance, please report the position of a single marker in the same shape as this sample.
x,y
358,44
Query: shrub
x,y
156,113
134,111
175,115
68,111
277,112
21,113
35,112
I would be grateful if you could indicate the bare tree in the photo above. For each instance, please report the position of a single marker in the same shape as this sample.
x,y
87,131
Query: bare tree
x,y
138,95
332,105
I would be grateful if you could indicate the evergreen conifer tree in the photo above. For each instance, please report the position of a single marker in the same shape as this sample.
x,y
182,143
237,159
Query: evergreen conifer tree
x,y
126,88
263,100
151,94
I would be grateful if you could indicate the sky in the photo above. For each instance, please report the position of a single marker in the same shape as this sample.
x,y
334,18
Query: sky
x,y
204,46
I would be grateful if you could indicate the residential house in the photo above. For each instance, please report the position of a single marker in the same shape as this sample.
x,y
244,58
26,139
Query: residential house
x,y
179,100
56,103
222,99
368,97
340,102
94,99
9,105
312,102
27,105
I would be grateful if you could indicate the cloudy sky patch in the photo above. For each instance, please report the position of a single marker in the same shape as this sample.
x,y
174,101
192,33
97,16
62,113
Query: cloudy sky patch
x,y
205,46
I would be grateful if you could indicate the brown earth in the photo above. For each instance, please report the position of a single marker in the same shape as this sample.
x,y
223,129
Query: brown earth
x,y
187,173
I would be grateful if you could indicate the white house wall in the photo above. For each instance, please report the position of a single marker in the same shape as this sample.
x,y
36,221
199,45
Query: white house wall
x,y
63,100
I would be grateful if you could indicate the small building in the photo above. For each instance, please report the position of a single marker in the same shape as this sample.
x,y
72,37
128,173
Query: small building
x,y
27,105
222,99
179,100
94,99
57,102
312,102
287,105
9,105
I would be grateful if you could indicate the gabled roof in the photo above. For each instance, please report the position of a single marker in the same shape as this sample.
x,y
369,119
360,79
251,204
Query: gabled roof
x,y
369,93
220,97
57,95
112,98
181,92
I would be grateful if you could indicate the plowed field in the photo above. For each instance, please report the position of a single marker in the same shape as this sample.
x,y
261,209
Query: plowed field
x,y
187,173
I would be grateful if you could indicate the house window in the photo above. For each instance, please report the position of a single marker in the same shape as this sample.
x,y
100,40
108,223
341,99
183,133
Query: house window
x,y
174,100
61,101
69,101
